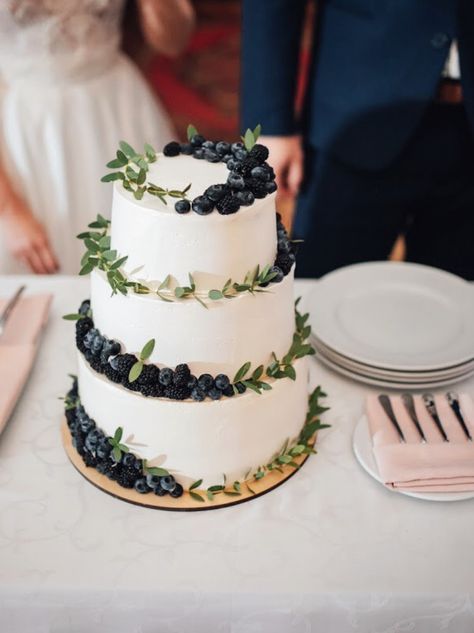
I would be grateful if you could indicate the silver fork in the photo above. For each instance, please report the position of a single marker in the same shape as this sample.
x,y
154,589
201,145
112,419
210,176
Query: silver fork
x,y
9,307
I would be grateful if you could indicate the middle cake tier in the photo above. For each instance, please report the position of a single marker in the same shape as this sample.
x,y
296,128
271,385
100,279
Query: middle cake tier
x,y
219,339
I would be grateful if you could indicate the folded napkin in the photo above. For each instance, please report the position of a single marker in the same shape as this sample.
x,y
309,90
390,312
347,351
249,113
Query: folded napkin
x,y
436,466
18,346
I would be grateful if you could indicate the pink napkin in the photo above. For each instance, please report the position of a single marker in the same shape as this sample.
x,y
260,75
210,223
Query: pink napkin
x,y
18,346
436,466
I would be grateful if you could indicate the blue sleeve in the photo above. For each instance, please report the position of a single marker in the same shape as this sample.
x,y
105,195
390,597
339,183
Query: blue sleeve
x,y
271,42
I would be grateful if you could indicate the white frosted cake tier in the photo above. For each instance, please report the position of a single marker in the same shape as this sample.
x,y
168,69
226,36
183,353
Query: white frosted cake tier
x,y
197,440
217,340
213,248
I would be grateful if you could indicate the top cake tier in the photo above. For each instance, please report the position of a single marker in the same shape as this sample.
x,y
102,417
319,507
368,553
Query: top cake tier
x,y
213,248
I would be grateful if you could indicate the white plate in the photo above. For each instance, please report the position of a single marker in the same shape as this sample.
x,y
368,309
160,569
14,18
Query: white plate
x,y
385,382
362,445
395,315
387,374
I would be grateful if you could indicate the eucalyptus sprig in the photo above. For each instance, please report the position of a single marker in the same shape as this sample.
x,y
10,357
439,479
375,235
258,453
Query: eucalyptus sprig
x,y
251,136
252,381
212,491
183,292
144,355
253,282
117,447
132,171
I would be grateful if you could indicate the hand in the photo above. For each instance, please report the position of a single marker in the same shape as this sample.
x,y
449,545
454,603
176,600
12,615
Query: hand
x,y
26,238
286,158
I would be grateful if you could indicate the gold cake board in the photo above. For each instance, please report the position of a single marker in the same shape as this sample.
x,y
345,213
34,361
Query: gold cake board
x,y
185,503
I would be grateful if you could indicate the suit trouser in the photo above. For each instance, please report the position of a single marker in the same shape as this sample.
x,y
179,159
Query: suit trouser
x,y
347,215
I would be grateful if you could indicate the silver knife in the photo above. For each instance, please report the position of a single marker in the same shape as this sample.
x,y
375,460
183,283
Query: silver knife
x,y
409,403
453,402
9,307
429,401
387,407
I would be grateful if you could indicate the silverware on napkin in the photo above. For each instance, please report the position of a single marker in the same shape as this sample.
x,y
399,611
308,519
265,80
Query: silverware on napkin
x,y
409,403
453,402
387,407
9,308
430,405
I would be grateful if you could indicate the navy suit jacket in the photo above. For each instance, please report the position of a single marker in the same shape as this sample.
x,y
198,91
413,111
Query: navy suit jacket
x,y
375,65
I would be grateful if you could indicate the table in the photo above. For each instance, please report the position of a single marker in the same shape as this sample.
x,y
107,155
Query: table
x,y
330,551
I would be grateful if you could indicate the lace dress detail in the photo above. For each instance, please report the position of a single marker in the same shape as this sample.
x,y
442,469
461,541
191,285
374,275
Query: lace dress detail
x,y
58,38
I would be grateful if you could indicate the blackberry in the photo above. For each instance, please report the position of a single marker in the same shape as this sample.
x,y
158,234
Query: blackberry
x,y
222,381
182,374
228,204
182,206
236,181
197,140
101,467
83,326
186,148
216,192
177,491
215,393
172,149
271,186
73,391
222,148
257,187
96,364
259,152
174,392
205,382
123,363
285,261
78,443
150,375
85,307
202,205
111,374
168,483
166,376
245,197
198,394
126,477
247,165
89,459
111,470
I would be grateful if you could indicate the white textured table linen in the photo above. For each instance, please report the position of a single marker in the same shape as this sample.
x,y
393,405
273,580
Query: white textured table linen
x,y
330,551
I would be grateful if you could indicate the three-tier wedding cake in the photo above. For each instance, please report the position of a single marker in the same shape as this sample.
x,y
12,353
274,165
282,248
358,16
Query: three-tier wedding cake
x,y
193,371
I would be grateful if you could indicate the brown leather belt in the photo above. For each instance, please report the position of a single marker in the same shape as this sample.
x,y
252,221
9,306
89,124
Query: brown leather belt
x,y
449,91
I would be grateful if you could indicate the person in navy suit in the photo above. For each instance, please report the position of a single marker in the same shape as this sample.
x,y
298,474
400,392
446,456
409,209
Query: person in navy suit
x,y
384,143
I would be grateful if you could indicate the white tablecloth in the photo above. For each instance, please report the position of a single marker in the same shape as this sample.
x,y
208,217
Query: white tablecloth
x,y
330,551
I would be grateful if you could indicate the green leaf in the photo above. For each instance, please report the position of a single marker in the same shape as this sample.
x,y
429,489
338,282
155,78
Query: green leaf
x,y
147,349
252,386
236,486
250,489
115,175
216,488
257,373
116,265
123,448
89,267
209,494
231,493
156,470
191,131
150,152
249,140
215,295
110,256
165,283
195,485
265,386
284,459
127,149
104,242
191,282
179,292
259,474
290,372
256,132
196,496
297,449
117,453
73,317
135,371
242,372
115,164
141,177
199,300
118,434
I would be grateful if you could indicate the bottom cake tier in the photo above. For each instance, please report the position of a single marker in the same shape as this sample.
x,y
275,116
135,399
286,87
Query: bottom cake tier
x,y
200,440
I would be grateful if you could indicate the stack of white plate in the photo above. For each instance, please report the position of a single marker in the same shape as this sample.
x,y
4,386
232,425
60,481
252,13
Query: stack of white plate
x,y
396,325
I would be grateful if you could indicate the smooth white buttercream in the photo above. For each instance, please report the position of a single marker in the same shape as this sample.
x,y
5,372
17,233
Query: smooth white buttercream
x,y
213,248
200,439
220,339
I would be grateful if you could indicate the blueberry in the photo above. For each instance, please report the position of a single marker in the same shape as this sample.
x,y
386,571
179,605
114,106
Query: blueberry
x,y
284,245
177,491
236,181
216,192
97,344
153,480
198,153
172,149
278,274
197,140
85,307
87,425
227,157
182,206
211,156
240,154
103,449
233,164
160,491
91,441
260,173
245,197
229,391
131,461
222,148
192,382
198,394
241,388
271,186
236,147
168,483
222,381
141,486
115,347
205,382
166,376
186,148
114,363
215,393
208,145
202,205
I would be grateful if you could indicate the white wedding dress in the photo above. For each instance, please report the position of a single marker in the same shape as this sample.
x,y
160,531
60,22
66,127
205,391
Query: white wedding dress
x,y
67,96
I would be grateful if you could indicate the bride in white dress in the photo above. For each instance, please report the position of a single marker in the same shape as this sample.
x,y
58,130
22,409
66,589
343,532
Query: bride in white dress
x,y
67,96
